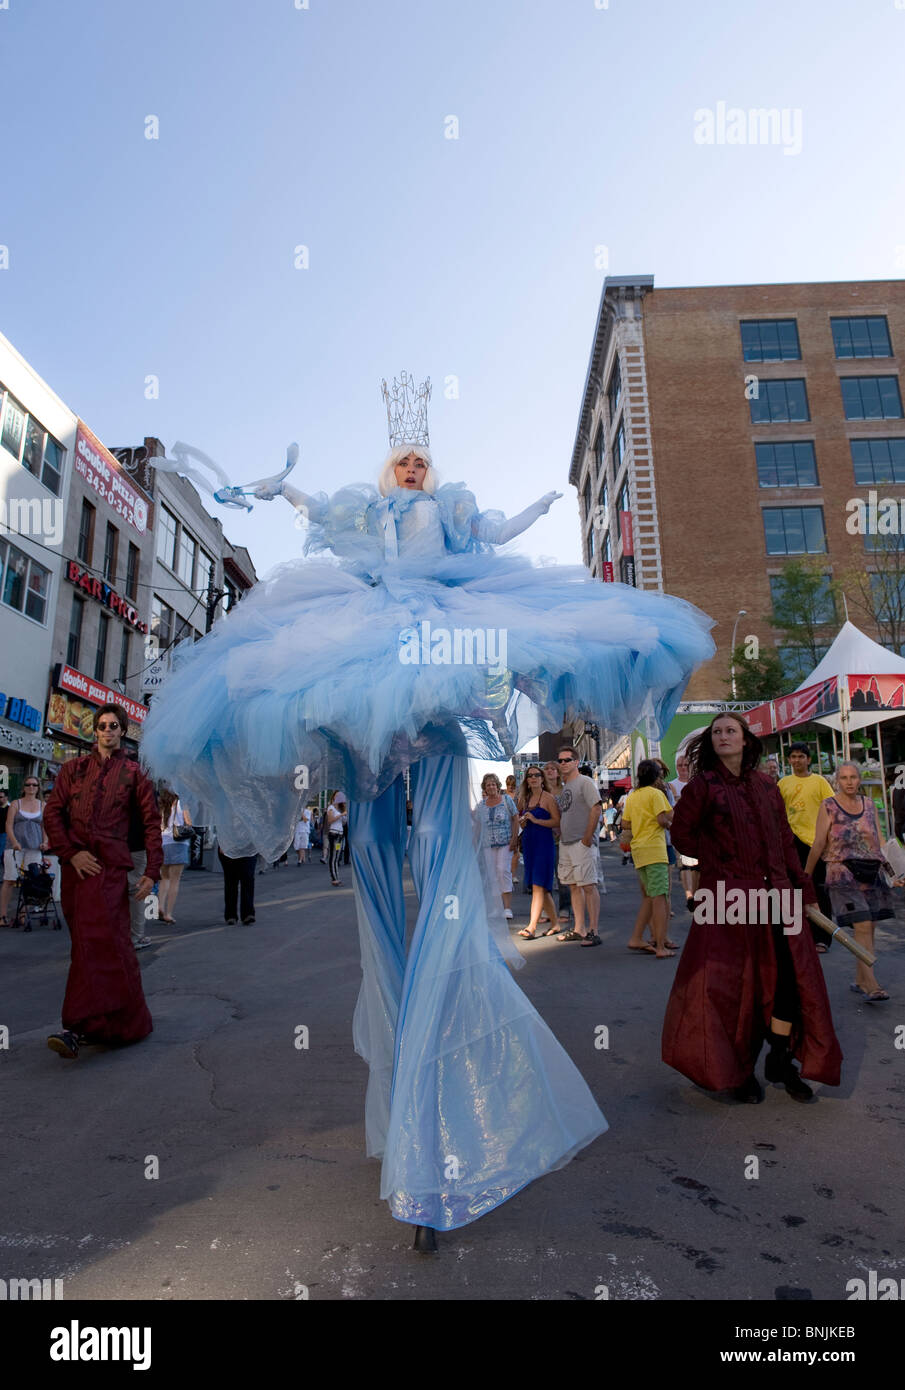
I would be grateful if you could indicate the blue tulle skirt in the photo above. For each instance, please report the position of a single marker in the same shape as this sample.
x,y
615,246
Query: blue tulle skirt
x,y
322,675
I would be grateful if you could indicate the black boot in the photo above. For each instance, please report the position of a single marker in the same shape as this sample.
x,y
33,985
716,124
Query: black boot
x,y
780,1067
425,1240
751,1092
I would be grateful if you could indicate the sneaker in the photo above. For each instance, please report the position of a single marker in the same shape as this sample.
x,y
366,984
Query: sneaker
x,y
508,914
65,1044
142,942
231,921
247,921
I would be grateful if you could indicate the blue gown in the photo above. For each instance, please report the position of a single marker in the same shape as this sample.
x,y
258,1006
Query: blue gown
x,y
539,850
414,646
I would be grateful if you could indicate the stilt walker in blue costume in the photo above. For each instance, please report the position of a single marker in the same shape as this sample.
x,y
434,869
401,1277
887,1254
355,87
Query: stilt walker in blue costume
x,y
420,648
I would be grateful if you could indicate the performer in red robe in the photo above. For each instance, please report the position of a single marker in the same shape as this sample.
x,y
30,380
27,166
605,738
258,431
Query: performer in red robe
x,y
87,821
739,984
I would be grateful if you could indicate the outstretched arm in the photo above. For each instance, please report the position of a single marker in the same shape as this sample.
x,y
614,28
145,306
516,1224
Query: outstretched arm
x,y
309,507
498,531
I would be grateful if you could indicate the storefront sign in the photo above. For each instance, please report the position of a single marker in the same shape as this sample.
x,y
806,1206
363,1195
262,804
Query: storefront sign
x,y
608,576
67,679
97,589
75,718
22,741
19,711
103,473
625,531
628,569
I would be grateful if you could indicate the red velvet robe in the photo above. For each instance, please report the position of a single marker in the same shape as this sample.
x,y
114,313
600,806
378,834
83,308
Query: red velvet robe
x,y
721,1002
89,809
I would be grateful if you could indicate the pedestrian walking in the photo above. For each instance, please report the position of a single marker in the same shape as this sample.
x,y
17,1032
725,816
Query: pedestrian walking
x,y
579,809
553,784
741,981
847,839
645,817
302,836
87,820
802,792
336,819
688,867
497,816
238,887
26,841
177,836
538,818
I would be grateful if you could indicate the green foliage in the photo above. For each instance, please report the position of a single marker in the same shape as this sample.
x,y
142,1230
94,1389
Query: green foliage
x,y
757,678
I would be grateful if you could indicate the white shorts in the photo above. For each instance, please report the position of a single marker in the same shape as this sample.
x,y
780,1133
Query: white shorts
x,y
13,859
499,866
577,864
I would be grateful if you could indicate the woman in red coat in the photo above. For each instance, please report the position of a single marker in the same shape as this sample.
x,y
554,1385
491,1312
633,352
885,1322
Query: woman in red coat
x,y
743,976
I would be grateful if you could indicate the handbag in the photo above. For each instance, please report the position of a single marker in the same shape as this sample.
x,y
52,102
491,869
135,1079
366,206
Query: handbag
x,y
864,871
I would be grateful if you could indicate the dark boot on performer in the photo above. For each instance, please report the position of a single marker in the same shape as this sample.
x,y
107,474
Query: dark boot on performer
x,y
750,1092
779,1066
425,1240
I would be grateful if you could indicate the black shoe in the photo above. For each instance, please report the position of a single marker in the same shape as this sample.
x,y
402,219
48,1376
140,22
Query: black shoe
x,y
425,1240
65,1044
750,1092
690,904
247,921
780,1067
231,921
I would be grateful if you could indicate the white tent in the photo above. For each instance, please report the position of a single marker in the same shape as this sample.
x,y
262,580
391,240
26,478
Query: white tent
x,y
853,653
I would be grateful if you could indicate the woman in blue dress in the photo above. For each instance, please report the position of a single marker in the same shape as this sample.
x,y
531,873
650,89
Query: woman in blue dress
x,y
412,647
539,818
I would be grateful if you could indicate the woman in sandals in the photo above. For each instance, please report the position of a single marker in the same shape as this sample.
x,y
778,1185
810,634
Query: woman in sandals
x,y
847,838
25,840
538,818
175,853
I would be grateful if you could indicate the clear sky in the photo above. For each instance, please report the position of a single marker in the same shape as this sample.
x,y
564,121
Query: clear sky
x,y
472,257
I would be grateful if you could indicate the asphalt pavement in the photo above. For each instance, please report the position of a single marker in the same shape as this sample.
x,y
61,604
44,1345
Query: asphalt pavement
x,y
220,1159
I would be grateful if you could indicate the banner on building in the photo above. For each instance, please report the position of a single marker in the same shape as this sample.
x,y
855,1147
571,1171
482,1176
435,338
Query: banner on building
x,y
105,475
884,692
72,682
608,575
804,705
760,719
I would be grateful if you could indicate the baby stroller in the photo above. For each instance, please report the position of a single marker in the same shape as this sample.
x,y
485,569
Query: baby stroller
x,y
36,896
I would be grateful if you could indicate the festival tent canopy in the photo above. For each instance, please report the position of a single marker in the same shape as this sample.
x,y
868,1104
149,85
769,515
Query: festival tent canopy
x,y
855,655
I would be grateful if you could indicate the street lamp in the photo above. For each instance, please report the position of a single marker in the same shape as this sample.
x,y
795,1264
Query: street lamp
x,y
742,613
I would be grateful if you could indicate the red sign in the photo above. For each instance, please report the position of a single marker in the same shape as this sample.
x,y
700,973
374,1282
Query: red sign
x,y
807,704
105,595
625,530
102,472
608,576
67,678
760,719
877,692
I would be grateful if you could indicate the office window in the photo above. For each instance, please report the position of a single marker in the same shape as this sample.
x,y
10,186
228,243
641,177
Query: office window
x,y
794,531
603,497
110,548
85,547
770,340
100,658
132,565
857,337
52,468
607,552
618,448
871,397
875,541
624,498
124,656
798,662
25,583
614,390
33,453
791,464
878,460
161,622
824,606
600,449
186,557
13,431
76,618
204,576
591,546
166,538
586,496
782,402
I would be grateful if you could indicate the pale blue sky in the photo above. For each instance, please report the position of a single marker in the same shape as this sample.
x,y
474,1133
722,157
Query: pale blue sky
x,y
473,257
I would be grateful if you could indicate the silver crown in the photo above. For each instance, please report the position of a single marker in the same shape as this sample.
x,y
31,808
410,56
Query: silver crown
x,y
407,410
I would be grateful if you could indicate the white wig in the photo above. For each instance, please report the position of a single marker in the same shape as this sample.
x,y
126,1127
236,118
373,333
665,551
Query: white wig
x,y
387,480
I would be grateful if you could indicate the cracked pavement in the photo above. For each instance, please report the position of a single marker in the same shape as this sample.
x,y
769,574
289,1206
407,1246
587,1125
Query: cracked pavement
x,y
263,1190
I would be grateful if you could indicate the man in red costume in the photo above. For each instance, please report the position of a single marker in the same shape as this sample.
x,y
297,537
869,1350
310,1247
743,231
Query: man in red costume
x,y
86,820
744,977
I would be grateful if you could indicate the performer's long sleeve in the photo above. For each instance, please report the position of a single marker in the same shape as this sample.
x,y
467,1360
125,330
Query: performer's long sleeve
x,y
56,826
497,532
686,828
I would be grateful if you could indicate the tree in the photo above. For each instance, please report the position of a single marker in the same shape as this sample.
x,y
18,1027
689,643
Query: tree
x,y
757,677
878,595
804,605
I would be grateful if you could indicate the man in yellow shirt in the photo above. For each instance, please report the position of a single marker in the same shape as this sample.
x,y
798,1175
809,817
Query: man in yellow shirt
x,y
802,793
645,816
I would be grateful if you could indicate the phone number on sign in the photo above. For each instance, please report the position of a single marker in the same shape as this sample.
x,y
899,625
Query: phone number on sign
x,y
98,483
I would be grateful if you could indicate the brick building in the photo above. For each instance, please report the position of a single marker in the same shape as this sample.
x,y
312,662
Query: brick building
x,y
725,430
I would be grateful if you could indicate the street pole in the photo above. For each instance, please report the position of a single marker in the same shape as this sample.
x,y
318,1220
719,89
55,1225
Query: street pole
x,y
742,613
